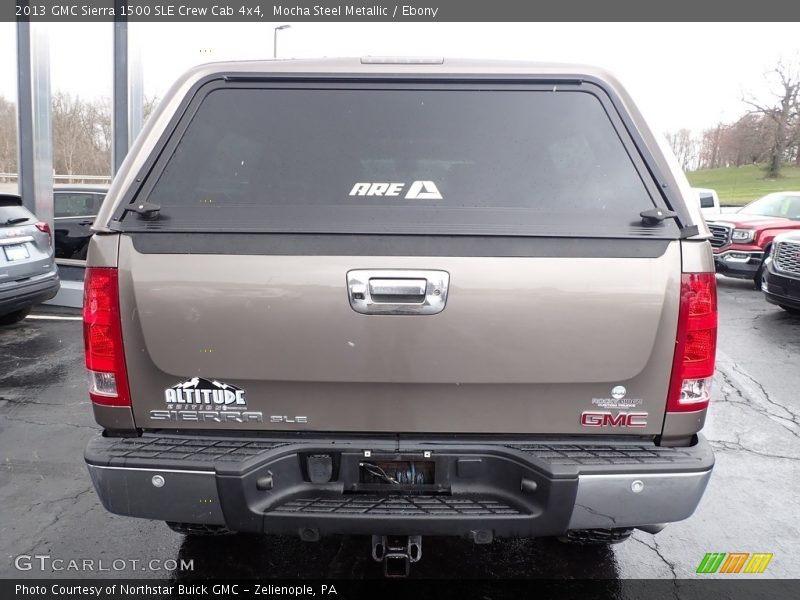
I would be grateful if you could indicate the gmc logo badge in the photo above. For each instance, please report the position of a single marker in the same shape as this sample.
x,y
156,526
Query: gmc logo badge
x,y
604,418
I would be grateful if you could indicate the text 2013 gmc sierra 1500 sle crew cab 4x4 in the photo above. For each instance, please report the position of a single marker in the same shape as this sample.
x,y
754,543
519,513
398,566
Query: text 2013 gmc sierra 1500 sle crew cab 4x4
x,y
400,298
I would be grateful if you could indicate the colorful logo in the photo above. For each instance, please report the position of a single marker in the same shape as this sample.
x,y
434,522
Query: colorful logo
x,y
734,562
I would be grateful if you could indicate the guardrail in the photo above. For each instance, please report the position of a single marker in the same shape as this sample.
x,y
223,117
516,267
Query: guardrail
x,y
13,177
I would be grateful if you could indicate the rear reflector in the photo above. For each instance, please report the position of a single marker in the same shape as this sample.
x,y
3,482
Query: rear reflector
x,y
102,336
695,345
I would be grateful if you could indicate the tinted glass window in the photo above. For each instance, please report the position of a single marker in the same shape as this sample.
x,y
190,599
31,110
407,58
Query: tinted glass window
x,y
14,215
775,205
706,201
74,204
400,161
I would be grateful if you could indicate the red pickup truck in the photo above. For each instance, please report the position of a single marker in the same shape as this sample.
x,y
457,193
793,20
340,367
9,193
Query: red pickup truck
x,y
742,238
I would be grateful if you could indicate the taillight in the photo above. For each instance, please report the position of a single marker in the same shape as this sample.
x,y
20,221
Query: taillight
x,y
102,336
695,345
45,228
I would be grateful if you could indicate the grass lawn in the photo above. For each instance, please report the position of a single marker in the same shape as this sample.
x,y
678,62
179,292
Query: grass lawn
x,y
740,185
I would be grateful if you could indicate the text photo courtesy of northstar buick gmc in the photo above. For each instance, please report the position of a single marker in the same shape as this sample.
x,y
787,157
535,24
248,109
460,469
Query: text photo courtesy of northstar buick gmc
x,y
490,313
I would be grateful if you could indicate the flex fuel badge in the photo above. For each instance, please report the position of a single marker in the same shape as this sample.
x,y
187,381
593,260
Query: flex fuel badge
x,y
206,400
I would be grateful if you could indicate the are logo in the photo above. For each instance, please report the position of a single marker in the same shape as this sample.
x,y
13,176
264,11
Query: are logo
x,y
418,190
605,418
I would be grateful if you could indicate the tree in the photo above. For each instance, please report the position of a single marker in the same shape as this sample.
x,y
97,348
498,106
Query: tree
x,y
8,136
685,147
709,157
79,145
81,134
744,142
783,112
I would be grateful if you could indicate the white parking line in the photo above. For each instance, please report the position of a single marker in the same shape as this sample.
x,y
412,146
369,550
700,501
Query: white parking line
x,y
54,318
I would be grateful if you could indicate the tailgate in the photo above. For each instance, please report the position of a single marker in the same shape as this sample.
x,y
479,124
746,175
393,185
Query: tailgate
x,y
523,345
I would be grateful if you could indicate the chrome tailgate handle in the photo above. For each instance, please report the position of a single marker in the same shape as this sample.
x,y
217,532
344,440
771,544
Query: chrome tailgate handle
x,y
397,291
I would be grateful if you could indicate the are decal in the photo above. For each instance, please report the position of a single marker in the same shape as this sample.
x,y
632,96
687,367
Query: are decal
x,y
418,190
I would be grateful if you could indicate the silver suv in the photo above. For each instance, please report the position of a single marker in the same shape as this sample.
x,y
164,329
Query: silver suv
x,y
400,298
28,273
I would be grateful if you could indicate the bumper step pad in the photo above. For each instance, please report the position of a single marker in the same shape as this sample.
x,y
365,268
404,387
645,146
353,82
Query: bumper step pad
x,y
169,451
397,505
618,454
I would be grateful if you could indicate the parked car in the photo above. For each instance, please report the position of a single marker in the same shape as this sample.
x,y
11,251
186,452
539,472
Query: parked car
x,y
74,209
709,202
780,281
28,274
740,239
400,298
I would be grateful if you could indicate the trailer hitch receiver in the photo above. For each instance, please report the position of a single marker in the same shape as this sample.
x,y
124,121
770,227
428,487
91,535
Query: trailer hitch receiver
x,y
397,552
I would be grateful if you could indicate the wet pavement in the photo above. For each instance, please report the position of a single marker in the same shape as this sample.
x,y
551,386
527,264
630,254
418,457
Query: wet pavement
x,y
48,507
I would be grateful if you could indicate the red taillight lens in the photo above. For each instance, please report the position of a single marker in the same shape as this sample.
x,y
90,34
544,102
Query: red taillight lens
x,y
695,345
45,228
102,336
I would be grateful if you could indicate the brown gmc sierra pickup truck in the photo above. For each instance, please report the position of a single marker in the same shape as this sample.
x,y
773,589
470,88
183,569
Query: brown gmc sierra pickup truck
x,y
400,298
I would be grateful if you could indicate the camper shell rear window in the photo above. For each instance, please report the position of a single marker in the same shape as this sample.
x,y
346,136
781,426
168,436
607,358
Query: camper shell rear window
x,y
413,159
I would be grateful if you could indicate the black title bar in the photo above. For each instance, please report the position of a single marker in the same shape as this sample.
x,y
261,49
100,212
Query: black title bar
x,y
401,11
733,588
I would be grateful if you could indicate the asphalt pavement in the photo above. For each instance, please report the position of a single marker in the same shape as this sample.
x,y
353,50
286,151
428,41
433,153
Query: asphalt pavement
x,y
48,506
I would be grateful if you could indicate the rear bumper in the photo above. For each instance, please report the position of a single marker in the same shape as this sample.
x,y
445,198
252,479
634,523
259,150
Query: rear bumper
x,y
18,295
505,489
779,288
738,263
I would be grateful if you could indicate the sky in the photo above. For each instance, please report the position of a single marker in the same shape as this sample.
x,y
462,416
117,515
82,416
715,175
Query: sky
x,y
690,75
